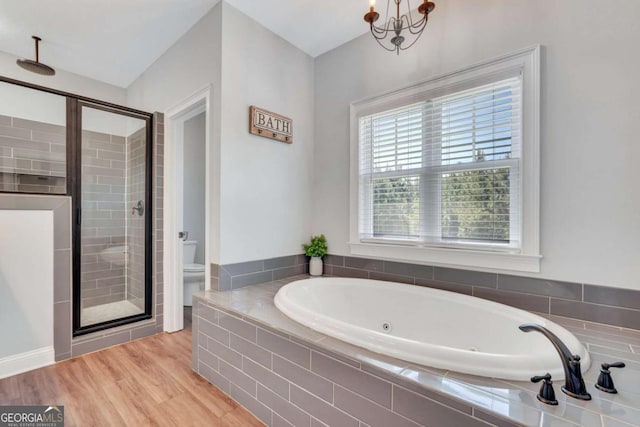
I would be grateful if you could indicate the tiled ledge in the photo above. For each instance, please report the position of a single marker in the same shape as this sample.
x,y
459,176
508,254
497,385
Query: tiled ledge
x,y
287,374
589,302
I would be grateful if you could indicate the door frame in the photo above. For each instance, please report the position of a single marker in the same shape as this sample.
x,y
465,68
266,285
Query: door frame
x,y
175,117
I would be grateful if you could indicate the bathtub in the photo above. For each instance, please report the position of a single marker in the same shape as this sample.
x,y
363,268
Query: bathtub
x,y
428,326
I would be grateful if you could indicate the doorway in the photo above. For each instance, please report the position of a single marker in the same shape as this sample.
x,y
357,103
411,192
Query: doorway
x,y
186,207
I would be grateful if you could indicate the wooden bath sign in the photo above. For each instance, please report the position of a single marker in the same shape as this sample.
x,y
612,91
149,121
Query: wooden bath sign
x,y
270,125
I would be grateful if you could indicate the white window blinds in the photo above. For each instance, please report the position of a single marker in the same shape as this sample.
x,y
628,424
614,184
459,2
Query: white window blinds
x,y
445,170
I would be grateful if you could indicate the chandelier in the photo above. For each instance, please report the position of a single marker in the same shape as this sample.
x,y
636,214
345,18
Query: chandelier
x,y
399,25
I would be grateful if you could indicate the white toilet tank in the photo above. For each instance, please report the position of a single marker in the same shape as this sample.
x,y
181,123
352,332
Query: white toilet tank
x,y
189,251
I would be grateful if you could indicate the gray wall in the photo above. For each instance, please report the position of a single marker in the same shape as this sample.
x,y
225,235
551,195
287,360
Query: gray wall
x,y
193,194
589,217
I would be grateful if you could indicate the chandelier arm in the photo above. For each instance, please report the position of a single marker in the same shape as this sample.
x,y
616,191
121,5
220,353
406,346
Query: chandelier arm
x,y
387,28
418,29
412,43
393,49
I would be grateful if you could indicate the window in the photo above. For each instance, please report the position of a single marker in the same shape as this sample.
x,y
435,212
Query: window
x,y
443,167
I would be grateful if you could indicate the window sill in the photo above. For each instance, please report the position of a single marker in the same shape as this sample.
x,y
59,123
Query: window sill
x,y
449,257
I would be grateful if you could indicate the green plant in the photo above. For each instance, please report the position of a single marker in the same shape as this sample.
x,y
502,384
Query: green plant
x,y
318,246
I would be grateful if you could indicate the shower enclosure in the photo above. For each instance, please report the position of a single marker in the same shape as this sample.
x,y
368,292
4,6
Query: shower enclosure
x,y
99,154
111,204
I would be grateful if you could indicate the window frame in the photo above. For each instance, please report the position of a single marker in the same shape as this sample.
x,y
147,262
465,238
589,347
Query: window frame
x,y
527,257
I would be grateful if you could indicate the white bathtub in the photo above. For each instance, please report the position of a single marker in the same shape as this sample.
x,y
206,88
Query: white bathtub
x,y
428,326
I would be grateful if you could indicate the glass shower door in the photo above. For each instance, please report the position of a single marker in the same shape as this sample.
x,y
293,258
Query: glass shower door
x,y
113,220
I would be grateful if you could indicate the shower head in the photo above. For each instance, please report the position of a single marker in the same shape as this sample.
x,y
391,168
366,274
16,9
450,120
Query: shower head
x,y
36,66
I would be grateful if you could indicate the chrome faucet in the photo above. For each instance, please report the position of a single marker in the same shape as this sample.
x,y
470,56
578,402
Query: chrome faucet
x,y
574,384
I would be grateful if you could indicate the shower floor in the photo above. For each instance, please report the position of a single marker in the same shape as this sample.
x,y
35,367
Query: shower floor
x,y
111,311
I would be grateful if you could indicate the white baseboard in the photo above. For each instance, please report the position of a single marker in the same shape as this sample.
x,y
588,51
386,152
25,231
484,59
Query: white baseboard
x,y
23,362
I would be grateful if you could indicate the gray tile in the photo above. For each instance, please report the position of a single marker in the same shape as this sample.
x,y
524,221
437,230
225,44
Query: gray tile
x,y
238,378
303,378
26,145
445,286
21,133
250,403
243,267
317,423
5,120
367,411
283,408
213,377
208,359
208,313
349,272
62,224
63,356
354,379
282,273
62,327
237,326
100,343
278,421
285,348
320,409
224,281
596,313
215,270
250,350
281,262
530,285
374,275
267,378
618,297
427,412
230,356
251,279
528,302
142,332
363,264
62,275
334,260
466,277
405,269
494,420
334,348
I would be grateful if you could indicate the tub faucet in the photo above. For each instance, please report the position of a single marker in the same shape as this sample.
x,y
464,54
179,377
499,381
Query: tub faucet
x,y
574,384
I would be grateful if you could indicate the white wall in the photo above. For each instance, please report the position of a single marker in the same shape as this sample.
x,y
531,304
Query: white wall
x,y
190,65
261,206
193,194
265,198
590,218
26,281
64,81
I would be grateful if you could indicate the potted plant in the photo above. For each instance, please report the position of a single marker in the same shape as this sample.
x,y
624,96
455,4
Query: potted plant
x,y
316,250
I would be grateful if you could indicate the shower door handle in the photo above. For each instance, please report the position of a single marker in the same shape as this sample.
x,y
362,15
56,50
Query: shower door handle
x,y
184,235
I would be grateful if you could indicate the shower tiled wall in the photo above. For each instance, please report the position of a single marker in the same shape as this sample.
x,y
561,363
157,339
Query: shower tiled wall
x,y
136,168
104,217
32,156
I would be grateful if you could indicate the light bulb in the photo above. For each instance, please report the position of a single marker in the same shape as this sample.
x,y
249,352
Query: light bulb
x,y
372,4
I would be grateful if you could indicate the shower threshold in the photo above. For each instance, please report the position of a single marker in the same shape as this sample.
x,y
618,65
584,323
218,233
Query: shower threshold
x,y
106,312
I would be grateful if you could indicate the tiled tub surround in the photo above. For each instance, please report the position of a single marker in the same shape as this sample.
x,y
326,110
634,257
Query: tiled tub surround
x,y
589,302
287,374
33,150
235,276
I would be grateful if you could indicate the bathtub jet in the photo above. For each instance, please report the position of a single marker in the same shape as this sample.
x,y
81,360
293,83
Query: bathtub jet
x,y
428,326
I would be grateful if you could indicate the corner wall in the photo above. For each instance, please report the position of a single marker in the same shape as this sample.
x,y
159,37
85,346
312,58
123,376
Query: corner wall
x,y
590,122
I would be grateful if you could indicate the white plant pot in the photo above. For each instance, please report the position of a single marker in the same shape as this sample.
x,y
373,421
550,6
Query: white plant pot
x,y
315,266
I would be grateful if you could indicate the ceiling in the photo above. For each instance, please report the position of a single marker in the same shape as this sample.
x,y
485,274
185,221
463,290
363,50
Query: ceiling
x,y
116,40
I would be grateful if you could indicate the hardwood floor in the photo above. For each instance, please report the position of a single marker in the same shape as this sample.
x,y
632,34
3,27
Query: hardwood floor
x,y
148,382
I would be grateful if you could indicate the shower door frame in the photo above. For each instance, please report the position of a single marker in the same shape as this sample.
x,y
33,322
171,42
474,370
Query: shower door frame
x,y
74,127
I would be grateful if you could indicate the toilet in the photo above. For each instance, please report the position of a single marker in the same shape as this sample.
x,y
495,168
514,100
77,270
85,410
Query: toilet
x,y
193,274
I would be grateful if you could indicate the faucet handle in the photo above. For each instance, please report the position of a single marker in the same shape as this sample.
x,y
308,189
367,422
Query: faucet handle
x,y
605,382
546,394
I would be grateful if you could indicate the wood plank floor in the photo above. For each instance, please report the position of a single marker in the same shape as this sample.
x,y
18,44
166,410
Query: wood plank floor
x,y
148,382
